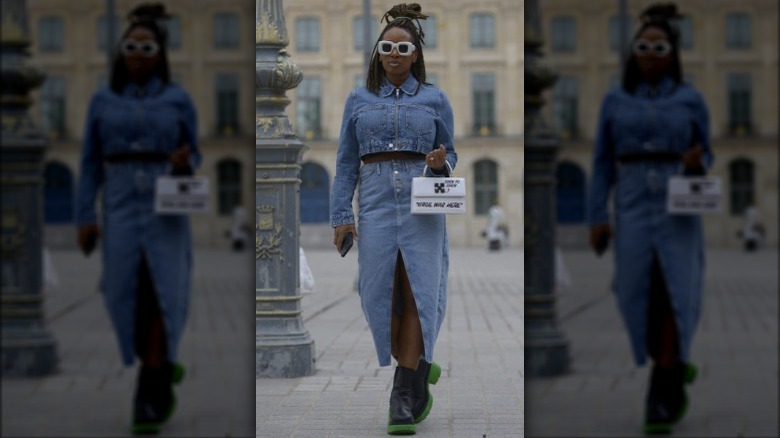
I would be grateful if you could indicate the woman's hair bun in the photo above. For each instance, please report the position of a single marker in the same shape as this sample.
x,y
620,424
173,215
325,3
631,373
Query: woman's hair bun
x,y
148,11
660,12
404,10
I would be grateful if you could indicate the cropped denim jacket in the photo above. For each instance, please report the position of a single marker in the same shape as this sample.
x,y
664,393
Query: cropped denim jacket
x,y
414,117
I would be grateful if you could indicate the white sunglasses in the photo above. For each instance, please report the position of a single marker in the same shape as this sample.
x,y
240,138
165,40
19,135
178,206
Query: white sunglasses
x,y
658,48
145,48
386,47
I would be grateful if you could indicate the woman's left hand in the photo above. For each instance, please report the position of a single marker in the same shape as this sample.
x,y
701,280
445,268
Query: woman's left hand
x,y
692,158
436,158
180,159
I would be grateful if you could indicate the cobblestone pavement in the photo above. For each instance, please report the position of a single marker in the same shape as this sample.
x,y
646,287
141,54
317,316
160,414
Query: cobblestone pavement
x,y
480,349
91,394
735,349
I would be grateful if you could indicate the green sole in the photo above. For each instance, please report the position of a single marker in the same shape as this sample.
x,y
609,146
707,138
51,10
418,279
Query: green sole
x,y
146,428
178,373
658,428
690,373
401,429
426,411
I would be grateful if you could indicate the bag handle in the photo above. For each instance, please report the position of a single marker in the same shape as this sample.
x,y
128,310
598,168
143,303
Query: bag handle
x,y
445,162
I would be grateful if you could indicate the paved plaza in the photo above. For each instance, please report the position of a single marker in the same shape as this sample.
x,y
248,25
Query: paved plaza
x,y
735,349
480,349
481,392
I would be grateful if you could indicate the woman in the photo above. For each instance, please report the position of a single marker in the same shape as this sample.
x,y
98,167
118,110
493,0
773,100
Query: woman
x,y
139,128
394,125
650,129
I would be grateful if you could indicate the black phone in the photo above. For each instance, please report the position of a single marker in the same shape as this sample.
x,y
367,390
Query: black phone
x,y
346,244
90,244
602,243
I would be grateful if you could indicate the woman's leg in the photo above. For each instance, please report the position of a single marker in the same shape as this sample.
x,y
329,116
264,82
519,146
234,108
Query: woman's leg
x,y
410,340
151,345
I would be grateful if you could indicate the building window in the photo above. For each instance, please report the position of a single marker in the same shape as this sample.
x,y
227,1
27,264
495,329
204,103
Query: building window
x,y
739,92
482,31
103,32
563,34
686,32
429,28
315,193
357,31
307,34
226,30
227,104
565,106
53,107
483,92
741,185
229,185
485,186
174,32
307,108
614,33
58,193
51,34
738,31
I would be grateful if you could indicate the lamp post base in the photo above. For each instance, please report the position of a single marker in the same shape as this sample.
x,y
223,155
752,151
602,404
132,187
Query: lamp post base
x,y
546,357
31,355
284,361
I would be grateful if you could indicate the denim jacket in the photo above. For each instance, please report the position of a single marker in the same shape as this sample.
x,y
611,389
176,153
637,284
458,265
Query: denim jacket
x,y
414,117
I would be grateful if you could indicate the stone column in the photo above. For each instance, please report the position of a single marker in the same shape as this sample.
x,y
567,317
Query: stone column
x,y
28,348
283,346
546,347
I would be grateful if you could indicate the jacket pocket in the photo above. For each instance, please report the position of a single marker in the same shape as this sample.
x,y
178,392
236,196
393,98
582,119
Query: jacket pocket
x,y
372,119
419,119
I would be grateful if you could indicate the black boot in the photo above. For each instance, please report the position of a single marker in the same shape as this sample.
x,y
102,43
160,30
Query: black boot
x,y
660,408
422,399
685,373
154,399
401,421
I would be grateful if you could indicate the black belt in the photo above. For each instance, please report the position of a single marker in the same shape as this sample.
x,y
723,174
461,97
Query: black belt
x,y
657,156
144,157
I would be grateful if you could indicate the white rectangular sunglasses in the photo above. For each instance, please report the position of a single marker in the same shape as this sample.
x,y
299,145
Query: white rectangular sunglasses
x,y
386,47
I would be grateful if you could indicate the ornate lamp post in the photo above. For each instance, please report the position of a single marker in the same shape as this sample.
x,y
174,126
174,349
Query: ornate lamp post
x,y
283,347
28,349
546,347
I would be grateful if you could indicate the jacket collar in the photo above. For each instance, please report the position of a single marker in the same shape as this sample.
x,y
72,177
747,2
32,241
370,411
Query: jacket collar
x,y
151,88
664,88
409,87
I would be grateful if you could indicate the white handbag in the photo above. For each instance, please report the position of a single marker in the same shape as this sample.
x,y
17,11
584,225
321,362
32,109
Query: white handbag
x,y
693,195
181,194
438,195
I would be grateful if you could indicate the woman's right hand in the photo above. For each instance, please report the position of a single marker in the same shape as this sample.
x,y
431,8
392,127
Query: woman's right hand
x,y
88,237
599,237
340,232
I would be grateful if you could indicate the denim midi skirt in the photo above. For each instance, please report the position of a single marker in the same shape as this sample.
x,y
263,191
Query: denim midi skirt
x,y
386,226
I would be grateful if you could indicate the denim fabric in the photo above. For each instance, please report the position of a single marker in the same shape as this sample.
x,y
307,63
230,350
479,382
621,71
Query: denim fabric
x,y
668,118
415,118
157,118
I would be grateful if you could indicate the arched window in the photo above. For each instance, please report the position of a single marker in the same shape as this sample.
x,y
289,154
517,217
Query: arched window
x,y
229,185
741,184
485,185
315,194
570,193
58,193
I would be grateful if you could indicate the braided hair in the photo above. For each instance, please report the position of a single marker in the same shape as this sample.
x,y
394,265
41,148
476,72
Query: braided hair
x,y
150,16
406,17
663,16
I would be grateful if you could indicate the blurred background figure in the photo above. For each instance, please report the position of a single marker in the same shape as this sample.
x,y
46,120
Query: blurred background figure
x,y
497,231
239,230
752,232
